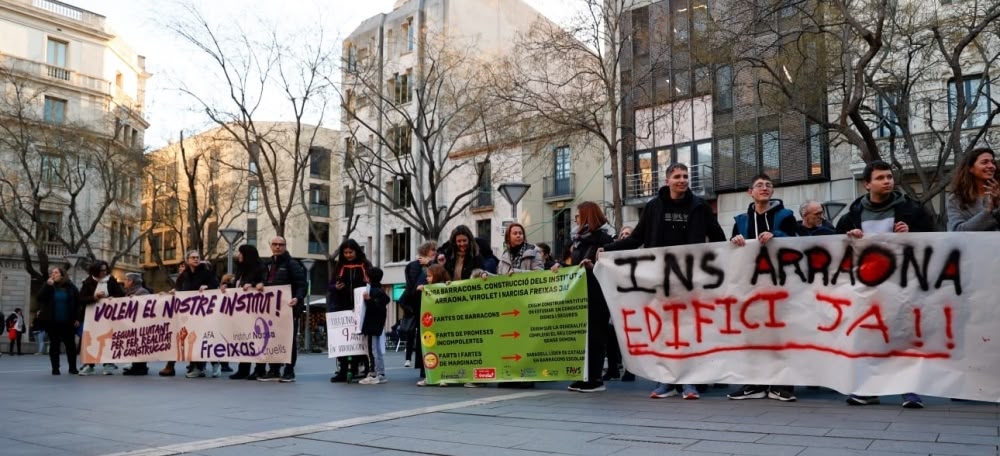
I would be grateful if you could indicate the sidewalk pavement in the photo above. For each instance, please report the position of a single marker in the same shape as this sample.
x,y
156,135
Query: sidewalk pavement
x,y
70,415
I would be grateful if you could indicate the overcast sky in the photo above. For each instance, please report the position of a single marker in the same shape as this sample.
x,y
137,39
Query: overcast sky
x,y
173,62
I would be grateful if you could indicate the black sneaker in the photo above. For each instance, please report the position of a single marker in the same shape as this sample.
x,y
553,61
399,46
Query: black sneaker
x,y
288,377
339,378
239,375
749,392
611,375
628,377
271,376
137,371
781,394
862,400
575,386
591,387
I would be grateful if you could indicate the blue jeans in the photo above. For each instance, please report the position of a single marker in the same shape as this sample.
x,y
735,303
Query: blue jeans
x,y
40,339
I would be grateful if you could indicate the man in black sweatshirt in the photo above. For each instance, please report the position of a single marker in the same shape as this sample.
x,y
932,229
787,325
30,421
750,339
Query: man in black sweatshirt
x,y
675,217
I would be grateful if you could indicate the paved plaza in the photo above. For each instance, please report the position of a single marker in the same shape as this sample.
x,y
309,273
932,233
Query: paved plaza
x,y
70,415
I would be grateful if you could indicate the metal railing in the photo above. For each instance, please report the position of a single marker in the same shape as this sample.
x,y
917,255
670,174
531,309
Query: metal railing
x,y
46,71
319,210
69,12
644,185
54,249
482,200
559,187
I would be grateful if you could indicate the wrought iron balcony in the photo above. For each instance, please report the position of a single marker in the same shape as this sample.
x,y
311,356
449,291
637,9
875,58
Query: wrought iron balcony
x,y
482,201
557,188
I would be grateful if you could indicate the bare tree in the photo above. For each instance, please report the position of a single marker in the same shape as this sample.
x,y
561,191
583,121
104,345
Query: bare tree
x,y
191,206
879,66
251,71
423,134
62,182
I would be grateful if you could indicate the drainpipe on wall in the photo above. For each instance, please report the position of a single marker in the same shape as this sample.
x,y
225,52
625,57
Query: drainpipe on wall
x,y
381,106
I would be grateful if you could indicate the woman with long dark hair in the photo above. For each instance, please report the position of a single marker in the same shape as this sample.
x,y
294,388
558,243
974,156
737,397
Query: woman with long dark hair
x,y
249,272
463,259
974,204
351,269
593,232
59,301
98,285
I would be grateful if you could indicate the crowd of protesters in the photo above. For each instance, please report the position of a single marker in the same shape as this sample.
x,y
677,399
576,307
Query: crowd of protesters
x,y
674,217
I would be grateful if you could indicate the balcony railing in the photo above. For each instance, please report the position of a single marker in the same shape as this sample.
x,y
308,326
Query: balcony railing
x,y
68,11
319,209
482,201
559,187
53,249
46,71
640,187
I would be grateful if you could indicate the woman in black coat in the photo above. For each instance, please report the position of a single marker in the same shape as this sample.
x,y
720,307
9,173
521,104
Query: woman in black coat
x,y
593,232
59,308
250,272
350,270
98,285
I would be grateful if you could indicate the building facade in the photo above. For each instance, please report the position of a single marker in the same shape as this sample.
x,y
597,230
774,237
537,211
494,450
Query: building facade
x,y
398,53
227,194
71,150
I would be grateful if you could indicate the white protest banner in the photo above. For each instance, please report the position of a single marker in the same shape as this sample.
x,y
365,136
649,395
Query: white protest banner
x,y
251,326
341,338
887,314
359,308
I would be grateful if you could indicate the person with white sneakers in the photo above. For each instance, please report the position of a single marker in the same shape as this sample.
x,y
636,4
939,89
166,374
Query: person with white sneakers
x,y
376,305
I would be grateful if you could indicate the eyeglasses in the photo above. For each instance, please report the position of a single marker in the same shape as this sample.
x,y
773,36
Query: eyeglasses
x,y
277,244
763,185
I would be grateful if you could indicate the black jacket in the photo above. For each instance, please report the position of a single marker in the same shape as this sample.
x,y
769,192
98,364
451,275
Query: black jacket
x,y
284,270
375,311
585,246
203,275
254,274
353,275
823,229
415,275
905,210
652,229
46,302
89,288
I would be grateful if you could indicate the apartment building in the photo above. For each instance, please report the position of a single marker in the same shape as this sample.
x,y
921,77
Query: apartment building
x,y
228,195
390,64
700,78
71,149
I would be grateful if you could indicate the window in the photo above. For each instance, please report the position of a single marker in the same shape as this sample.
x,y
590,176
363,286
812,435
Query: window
x,y
682,84
562,171
484,228
724,88
390,43
156,243
485,194
170,246
319,162
254,157
888,121
352,58
399,140
253,197
640,31
251,232
747,165
399,87
49,226
113,234
408,31
399,245
319,238
319,200
350,197
977,101
401,192
55,110
51,168
681,22
817,140
56,58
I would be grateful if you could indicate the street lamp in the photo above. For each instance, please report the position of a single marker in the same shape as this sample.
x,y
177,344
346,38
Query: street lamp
x,y
513,192
308,264
232,236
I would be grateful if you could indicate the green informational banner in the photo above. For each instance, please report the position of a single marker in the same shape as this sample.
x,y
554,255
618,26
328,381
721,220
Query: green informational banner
x,y
530,326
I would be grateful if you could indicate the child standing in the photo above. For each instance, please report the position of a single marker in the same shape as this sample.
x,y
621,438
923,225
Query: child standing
x,y
435,274
373,326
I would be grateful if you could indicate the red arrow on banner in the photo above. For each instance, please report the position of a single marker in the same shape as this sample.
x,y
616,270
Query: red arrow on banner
x,y
514,334
513,312
516,357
